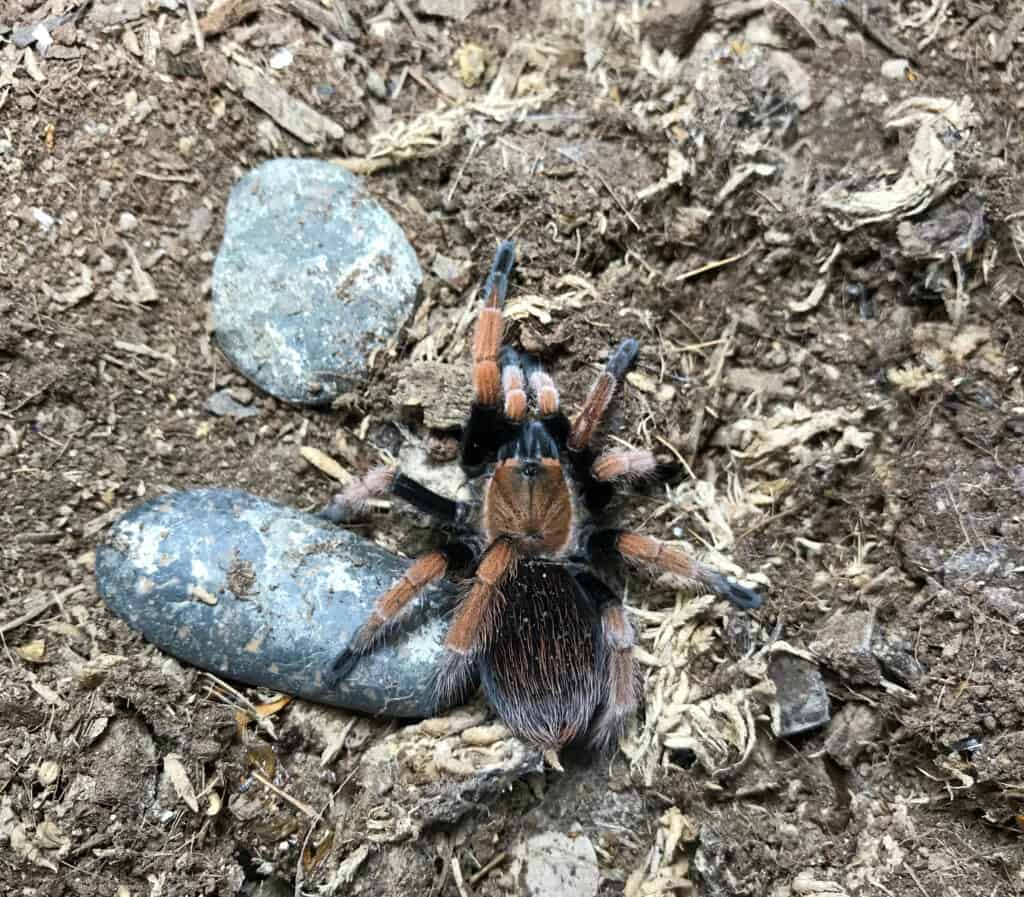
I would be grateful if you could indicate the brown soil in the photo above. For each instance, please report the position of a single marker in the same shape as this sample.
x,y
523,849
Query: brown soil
x,y
905,504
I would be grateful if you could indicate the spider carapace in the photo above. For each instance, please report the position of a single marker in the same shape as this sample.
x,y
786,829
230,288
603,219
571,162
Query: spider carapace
x,y
542,621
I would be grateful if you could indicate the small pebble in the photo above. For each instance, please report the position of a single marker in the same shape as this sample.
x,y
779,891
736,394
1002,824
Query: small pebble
x,y
801,701
223,404
43,219
127,222
198,224
553,864
895,69
281,59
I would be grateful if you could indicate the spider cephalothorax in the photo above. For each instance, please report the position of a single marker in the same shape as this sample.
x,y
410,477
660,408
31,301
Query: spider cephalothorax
x,y
543,621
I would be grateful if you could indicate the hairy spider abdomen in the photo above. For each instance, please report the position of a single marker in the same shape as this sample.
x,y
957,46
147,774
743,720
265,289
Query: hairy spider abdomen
x,y
543,671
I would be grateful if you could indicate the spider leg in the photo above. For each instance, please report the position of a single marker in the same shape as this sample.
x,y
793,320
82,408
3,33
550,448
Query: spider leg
x,y
656,555
489,327
487,428
381,481
477,616
543,388
601,394
513,385
426,569
625,464
620,674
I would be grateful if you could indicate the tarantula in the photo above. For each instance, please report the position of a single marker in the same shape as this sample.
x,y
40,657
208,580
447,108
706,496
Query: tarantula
x,y
543,622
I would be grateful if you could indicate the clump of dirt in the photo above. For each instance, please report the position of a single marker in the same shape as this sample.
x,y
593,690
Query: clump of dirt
x,y
818,246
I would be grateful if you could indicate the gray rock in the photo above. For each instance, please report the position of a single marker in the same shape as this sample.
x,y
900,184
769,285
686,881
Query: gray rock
x,y
843,642
199,223
263,594
896,656
801,701
675,25
553,864
223,404
311,277
449,9
854,728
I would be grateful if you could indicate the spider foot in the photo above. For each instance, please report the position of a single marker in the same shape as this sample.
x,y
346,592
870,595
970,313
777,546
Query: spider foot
x,y
341,667
726,587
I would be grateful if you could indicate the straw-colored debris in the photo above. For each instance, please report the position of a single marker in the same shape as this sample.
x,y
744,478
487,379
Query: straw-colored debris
x,y
666,871
944,130
431,132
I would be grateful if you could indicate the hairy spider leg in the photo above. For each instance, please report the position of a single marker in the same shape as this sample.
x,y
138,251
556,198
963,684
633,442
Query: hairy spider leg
x,y
601,393
625,464
489,328
488,427
620,677
513,385
663,558
352,502
425,570
476,617
621,684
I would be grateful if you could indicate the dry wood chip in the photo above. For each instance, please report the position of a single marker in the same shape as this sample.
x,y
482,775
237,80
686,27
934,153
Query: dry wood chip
x,y
226,14
178,775
145,290
271,707
32,67
33,651
326,464
76,294
295,116
48,773
142,349
336,22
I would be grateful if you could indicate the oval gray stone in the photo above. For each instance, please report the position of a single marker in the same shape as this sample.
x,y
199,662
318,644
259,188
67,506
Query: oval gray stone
x,y
263,594
312,275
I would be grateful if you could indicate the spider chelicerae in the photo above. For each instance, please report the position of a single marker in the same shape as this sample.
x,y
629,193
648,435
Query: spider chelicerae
x,y
542,622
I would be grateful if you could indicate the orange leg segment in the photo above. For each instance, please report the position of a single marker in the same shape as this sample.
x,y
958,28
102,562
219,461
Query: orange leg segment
x,y
655,554
601,393
425,570
475,618
624,464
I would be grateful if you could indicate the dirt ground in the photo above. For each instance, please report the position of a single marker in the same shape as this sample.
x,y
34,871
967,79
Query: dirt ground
x,y
822,259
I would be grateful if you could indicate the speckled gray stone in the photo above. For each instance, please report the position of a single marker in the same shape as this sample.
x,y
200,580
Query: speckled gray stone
x,y
312,275
259,593
801,700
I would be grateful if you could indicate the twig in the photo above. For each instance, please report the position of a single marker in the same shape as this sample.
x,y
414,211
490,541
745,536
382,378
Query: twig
x,y
917,881
261,721
32,396
600,177
193,20
710,266
37,611
403,8
300,873
284,795
434,89
788,512
170,178
710,392
858,12
458,177
457,875
495,861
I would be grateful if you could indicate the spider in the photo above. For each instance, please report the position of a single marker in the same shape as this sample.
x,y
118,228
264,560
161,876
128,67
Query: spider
x,y
542,623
